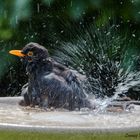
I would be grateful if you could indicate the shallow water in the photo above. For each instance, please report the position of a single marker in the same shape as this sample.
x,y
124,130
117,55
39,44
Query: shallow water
x,y
15,116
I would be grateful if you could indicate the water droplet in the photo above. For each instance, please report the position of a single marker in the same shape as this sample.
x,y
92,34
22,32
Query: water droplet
x,y
38,7
71,3
56,41
121,2
25,38
44,26
108,33
133,35
117,26
32,36
84,13
16,19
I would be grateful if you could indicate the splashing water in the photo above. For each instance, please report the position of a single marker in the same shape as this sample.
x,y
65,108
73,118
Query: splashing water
x,y
131,79
107,60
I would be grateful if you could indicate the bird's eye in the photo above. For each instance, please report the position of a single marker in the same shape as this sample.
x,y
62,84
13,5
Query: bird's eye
x,y
30,53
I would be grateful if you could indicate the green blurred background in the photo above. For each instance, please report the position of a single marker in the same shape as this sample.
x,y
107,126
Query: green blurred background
x,y
49,22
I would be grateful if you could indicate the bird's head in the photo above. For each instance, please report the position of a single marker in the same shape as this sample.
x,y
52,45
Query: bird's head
x,y
32,54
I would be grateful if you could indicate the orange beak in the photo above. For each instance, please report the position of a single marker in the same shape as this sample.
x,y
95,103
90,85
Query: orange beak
x,y
17,53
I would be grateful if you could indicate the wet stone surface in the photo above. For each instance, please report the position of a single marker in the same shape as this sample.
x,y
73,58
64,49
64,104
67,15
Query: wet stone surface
x,y
14,116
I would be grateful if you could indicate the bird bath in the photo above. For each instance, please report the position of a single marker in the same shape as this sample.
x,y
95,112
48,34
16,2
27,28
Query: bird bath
x,y
13,116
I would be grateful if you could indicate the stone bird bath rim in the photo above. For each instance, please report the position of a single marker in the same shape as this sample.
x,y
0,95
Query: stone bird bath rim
x,y
13,116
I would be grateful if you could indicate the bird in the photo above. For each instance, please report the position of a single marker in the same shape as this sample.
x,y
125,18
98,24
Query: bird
x,y
50,83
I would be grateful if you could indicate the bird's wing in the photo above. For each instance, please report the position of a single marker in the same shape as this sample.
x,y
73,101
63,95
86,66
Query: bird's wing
x,y
66,73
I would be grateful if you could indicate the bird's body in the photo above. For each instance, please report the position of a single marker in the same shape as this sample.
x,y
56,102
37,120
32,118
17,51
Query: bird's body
x,y
51,84
55,86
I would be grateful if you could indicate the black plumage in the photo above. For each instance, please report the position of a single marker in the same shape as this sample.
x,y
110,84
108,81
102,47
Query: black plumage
x,y
50,84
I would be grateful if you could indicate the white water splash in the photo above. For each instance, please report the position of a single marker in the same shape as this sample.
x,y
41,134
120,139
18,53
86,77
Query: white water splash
x,y
131,80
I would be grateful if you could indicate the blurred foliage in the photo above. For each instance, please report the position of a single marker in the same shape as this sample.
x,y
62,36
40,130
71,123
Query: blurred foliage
x,y
47,22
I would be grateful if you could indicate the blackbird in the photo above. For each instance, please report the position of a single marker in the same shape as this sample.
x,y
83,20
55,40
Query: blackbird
x,y
50,84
